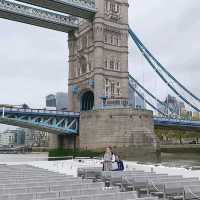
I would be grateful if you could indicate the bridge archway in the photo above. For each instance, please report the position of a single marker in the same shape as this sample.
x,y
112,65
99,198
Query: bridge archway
x,y
87,101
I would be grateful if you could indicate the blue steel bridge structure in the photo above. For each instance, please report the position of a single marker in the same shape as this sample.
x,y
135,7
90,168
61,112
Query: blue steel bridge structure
x,y
64,16
58,122
67,123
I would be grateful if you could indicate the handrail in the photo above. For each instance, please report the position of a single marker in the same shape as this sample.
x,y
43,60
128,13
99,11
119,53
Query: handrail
x,y
39,111
194,195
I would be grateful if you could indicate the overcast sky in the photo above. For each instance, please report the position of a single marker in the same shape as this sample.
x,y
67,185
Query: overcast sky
x,y
33,61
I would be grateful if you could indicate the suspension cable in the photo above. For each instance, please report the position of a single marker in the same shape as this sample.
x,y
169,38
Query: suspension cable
x,y
193,194
159,73
148,102
162,67
150,94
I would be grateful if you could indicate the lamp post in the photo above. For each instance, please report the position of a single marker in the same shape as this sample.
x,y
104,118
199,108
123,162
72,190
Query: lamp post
x,y
103,98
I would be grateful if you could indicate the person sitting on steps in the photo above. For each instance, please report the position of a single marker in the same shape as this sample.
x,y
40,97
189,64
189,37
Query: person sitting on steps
x,y
120,164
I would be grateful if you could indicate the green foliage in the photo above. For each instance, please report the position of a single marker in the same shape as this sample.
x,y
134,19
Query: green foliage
x,y
183,149
75,153
176,134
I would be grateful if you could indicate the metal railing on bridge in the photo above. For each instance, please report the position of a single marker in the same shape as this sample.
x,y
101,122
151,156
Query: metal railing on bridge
x,y
80,8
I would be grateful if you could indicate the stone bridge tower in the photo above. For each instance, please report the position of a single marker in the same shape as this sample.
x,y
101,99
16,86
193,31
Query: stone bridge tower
x,y
98,73
98,58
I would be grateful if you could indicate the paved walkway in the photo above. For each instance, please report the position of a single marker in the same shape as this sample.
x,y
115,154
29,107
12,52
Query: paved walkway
x,y
69,167
13,158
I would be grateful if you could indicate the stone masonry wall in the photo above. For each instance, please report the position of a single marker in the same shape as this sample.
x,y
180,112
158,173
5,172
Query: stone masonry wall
x,y
118,128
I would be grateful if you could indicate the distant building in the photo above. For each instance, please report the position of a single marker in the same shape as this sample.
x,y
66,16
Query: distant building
x,y
28,140
196,116
135,100
8,138
20,136
61,101
182,108
51,101
23,136
172,105
58,101
36,138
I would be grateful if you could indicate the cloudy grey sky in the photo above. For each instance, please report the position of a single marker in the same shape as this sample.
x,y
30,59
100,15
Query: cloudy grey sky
x,y
33,61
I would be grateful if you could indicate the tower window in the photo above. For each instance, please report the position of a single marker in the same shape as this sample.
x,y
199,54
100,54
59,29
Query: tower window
x,y
105,38
106,63
118,92
108,5
107,91
116,7
83,66
107,81
112,39
111,64
112,88
117,42
117,65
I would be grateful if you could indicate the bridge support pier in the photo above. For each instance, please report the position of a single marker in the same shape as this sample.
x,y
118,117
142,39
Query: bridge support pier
x,y
53,141
121,128
62,141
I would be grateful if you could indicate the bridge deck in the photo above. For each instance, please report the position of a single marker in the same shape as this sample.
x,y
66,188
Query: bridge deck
x,y
50,121
176,123
37,17
80,8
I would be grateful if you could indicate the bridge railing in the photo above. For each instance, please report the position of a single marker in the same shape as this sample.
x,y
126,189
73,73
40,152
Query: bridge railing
x,y
42,111
176,119
88,4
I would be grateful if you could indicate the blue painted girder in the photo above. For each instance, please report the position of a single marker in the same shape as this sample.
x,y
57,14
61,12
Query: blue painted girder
x,y
166,122
65,123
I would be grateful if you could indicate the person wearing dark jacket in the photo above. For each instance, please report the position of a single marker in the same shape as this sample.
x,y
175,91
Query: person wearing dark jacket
x,y
120,164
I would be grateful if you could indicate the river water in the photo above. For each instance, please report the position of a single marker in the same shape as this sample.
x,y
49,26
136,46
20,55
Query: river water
x,y
185,160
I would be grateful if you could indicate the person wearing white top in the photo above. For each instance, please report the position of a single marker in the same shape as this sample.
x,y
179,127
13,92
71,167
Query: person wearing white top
x,y
108,159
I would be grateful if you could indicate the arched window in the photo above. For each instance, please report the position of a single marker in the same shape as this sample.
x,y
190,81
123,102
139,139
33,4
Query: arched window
x,y
87,101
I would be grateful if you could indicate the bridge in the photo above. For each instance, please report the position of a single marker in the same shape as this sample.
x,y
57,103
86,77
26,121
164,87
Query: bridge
x,y
176,123
98,74
84,9
67,123
56,122
38,17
